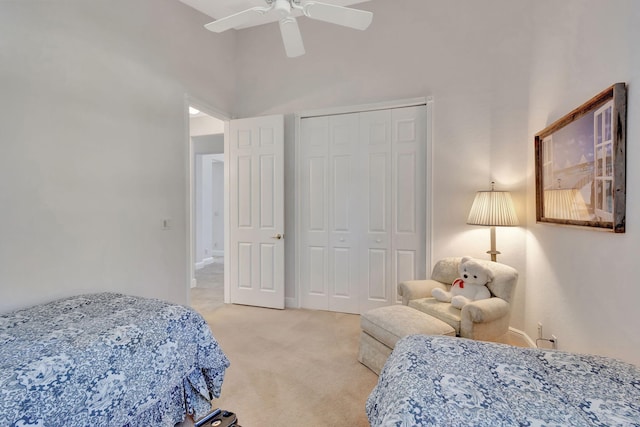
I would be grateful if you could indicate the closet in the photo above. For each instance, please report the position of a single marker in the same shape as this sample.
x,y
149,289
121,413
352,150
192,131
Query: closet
x,y
362,207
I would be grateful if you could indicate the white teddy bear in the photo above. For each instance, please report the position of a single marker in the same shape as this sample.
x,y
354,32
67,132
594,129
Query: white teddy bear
x,y
470,286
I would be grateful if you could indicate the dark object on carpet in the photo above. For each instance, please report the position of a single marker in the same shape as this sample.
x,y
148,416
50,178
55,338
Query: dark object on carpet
x,y
219,418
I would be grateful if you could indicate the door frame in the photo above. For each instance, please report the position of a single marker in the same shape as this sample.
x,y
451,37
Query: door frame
x,y
190,100
412,102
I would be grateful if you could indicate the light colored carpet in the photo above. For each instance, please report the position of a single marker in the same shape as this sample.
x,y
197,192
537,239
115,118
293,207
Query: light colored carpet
x,y
291,367
288,367
208,294
211,275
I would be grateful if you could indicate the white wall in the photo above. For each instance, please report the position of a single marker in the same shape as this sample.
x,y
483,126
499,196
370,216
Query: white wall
x,y
581,283
93,150
205,125
499,70
208,143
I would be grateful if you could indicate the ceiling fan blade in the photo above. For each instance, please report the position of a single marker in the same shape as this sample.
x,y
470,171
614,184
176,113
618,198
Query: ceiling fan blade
x,y
345,16
291,37
236,20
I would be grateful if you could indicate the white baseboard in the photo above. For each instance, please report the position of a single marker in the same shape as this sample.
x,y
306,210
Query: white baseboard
x,y
291,303
217,253
204,263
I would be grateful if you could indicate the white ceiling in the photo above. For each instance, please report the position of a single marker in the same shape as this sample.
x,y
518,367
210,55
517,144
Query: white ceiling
x,y
220,8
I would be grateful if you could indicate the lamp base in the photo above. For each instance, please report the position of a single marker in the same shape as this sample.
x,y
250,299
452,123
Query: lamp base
x,y
494,255
493,250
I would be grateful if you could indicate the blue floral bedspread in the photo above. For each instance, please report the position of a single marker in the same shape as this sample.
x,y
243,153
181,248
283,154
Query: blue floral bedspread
x,y
447,381
107,360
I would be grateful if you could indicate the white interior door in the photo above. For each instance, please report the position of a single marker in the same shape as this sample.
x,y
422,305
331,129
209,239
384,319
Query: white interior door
x,y
256,211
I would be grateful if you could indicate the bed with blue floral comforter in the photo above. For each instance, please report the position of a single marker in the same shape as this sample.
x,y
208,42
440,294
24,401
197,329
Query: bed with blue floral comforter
x,y
107,360
448,381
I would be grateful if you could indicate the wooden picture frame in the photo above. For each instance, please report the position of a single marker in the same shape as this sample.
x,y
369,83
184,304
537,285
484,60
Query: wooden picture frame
x,y
580,164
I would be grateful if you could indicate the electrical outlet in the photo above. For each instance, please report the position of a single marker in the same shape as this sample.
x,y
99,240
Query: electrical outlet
x,y
539,330
554,342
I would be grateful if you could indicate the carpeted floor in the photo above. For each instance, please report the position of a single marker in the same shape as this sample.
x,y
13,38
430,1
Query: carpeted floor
x,y
291,367
208,294
211,276
288,367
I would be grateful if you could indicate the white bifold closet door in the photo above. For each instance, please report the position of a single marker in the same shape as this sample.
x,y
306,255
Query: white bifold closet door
x,y
362,207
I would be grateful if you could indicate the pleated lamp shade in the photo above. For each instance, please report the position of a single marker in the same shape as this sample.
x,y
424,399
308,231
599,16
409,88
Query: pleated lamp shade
x,y
493,208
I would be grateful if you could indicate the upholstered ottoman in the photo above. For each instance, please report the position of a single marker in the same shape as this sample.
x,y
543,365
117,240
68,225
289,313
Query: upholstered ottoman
x,y
383,327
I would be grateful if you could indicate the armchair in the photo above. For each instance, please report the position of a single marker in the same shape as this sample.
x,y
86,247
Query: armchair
x,y
485,320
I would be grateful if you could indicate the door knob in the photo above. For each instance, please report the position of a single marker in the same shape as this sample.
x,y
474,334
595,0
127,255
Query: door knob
x,y
277,236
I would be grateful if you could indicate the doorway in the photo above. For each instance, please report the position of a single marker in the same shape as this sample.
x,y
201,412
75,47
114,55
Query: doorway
x,y
206,134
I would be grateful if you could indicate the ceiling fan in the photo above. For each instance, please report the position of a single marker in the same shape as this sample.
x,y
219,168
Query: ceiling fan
x,y
291,37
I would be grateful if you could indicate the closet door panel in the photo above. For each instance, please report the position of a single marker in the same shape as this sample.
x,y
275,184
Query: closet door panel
x,y
316,195
344,211
314,270
342,276
409,199
314,227
377,177
343,298
375,262
377,272
406,262
317,266
405,192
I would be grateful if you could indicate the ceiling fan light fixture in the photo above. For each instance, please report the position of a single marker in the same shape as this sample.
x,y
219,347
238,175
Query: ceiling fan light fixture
x,y
339,15
282,7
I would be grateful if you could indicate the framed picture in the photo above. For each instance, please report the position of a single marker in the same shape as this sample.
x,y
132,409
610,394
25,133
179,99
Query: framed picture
x,y
580,164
